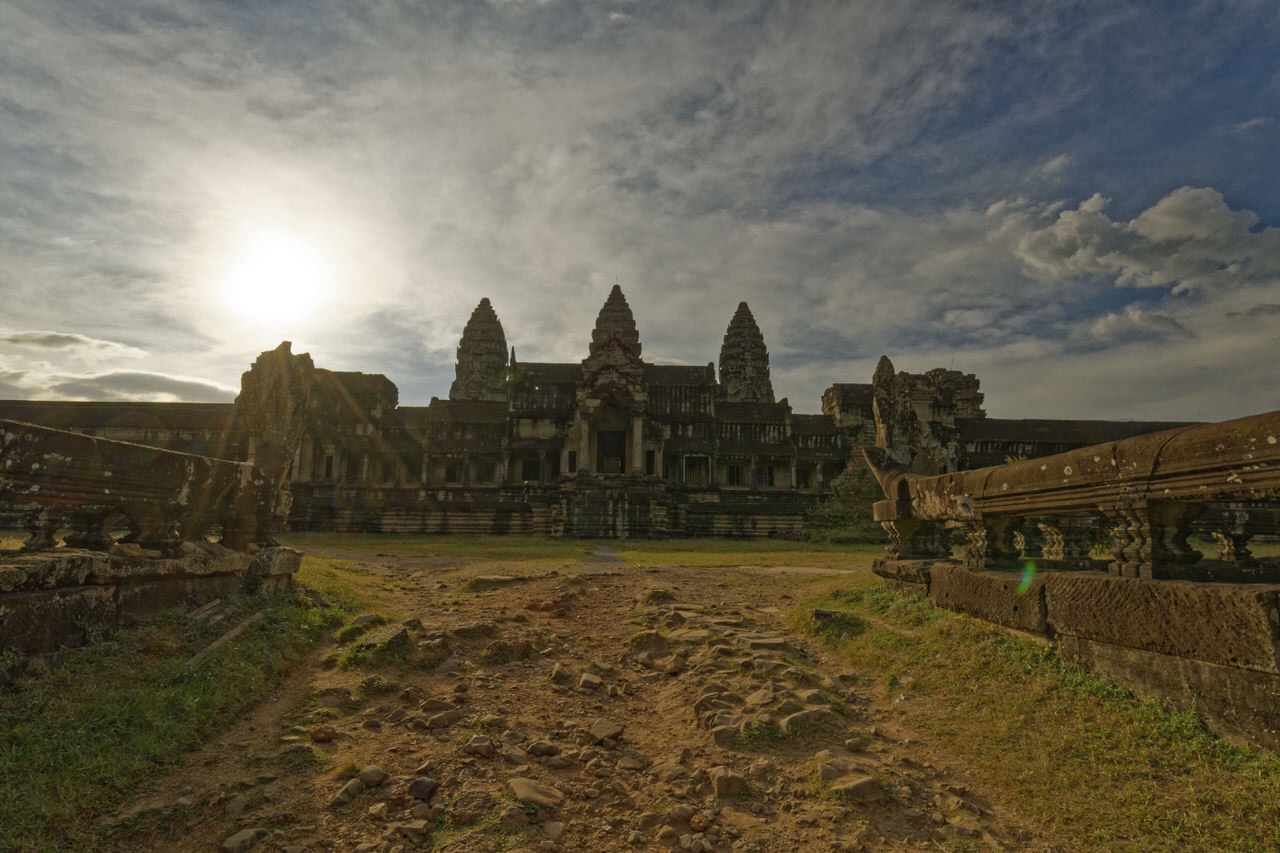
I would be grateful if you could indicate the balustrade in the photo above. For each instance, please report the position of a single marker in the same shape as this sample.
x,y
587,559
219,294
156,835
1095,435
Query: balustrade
x,y
1146,490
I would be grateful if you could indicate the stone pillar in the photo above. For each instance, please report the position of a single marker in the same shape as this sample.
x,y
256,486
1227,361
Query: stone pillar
x,y
911,538
42,528
637,445
584,446
90,528
1152,538
1068,539
1233,539
990,543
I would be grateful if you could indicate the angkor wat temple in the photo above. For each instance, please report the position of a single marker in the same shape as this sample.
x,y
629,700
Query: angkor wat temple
x,y
612,445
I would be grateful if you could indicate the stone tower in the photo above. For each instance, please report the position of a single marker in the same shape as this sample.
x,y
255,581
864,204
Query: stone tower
x,y
481,369
616,323
744,361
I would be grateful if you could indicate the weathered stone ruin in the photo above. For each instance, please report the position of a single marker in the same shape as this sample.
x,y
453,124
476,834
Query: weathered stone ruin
x,y
612,445
1155,614
119,530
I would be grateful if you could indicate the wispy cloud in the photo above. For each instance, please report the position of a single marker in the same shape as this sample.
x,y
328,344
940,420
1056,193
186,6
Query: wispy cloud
x,y
871,177
45,340
139,386
1188,240
1252,124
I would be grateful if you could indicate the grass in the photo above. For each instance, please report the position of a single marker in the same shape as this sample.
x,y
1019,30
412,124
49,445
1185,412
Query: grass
x,y
452,547
75,745
1082,760
732,553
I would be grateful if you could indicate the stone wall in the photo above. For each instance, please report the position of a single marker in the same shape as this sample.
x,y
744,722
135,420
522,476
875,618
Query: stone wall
x,y
1208,649
118,531
1160,617
51,600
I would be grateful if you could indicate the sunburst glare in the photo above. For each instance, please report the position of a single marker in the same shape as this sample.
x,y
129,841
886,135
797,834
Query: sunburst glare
x,y
275,273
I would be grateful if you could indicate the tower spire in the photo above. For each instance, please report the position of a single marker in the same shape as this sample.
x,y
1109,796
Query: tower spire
x,y
744,360
481,368
615,322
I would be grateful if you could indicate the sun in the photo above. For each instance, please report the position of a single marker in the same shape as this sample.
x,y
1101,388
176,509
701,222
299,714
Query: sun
x,y
276,274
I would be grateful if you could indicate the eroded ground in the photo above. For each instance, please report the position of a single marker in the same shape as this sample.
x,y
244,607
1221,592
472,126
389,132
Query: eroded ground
x,y
590,706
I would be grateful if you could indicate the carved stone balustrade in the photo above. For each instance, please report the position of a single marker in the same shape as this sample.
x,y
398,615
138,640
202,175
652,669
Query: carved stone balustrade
x,y
1149,489
90,485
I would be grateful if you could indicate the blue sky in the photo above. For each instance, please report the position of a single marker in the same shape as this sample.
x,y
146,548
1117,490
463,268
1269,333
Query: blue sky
x,y
1079,202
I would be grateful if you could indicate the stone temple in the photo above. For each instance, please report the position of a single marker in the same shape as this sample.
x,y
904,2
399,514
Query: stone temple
x,y
612,445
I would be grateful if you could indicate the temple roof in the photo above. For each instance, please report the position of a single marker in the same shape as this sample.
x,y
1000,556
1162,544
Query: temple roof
x,y
615,322
78,416
744,360
752,412
678,374
813,425
1075,433
482,357
549,372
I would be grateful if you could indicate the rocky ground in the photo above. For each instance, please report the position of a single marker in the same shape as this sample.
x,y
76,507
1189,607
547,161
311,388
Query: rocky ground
x,y
597,707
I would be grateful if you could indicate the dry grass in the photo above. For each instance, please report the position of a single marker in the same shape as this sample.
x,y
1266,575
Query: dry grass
x,y
1085,762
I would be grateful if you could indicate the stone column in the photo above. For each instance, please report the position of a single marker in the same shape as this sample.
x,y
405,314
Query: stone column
x,y
911,538
584,446
1233,539
990,543
637,445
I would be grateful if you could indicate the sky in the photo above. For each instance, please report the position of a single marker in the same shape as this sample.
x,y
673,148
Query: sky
x,y
1077,201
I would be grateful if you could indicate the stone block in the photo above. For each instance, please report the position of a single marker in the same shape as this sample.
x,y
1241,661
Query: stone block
x,y
994,596
1228,625
1241,705
41,621
905,571
138,601
47,570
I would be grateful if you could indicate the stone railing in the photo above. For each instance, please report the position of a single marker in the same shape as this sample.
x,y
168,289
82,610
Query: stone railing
x,y
85,487
1145,490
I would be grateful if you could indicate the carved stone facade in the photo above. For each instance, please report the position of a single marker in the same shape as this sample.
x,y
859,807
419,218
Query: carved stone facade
x,y
744,361
609,445
612,445
480,372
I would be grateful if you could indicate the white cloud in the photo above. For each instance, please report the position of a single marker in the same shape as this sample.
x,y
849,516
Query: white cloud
x,y
1252,124
1134,324
1190,240
1054,167
68,342
139,386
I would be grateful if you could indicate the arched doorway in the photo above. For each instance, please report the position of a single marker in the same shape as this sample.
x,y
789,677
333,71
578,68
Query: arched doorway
x,y
609,428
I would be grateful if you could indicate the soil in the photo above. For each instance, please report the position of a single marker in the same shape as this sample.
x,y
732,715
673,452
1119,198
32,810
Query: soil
x,y
597,707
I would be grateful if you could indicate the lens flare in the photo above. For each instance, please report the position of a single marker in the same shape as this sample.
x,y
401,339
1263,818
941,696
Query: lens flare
x,y
1028,575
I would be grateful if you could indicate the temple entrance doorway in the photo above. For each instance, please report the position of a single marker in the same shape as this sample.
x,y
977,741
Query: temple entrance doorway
x,y
611,451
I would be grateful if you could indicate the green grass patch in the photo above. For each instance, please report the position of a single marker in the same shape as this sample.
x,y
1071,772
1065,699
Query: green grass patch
x,y
77,743
731,553
1084,761
455,547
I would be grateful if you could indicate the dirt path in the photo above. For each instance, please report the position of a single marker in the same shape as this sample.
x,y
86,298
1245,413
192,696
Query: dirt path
x,y
595,708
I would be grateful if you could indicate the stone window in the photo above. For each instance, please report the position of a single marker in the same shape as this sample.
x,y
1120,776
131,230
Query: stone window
x,y
697,470
733,474
451,472
486,471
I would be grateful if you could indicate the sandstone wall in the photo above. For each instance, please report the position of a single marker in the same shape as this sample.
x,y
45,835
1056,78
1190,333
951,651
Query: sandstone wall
x,y
1212,649
51,600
